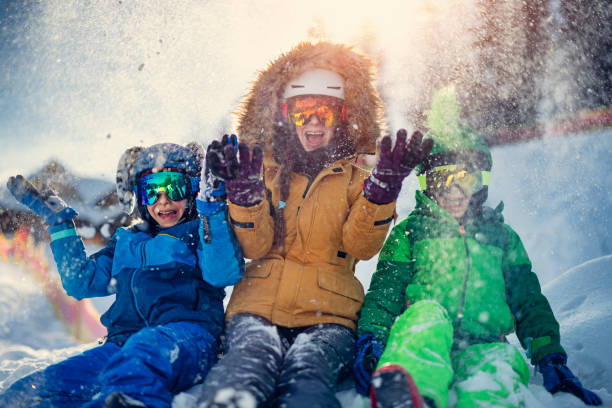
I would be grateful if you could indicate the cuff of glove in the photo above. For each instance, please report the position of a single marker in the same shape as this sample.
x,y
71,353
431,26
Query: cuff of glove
x,y
368,340
210,207
245,196
380,192
552,359
63,230
61,217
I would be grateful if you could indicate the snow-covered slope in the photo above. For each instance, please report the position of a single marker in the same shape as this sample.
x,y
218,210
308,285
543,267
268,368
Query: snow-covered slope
x,y
557,194
31,338
582,300
30,335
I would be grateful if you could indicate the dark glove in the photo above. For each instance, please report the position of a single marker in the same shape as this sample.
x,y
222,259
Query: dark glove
x,y
558,377
385,182
221,165
369,351
246,188
44,203
217,169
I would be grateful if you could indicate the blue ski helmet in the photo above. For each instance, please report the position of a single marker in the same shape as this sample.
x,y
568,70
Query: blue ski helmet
x,y
186,159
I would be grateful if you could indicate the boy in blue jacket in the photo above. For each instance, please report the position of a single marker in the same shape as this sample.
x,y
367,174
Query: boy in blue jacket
x,y
167,272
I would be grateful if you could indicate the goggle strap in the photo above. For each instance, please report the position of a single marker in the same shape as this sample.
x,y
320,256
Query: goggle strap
x,y
486,176
422,182
449,167
195,185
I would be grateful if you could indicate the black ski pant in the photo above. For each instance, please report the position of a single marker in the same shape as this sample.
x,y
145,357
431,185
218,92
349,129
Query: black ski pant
x,y
280,366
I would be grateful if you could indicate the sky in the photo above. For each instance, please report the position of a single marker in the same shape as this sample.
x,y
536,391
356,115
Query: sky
x,y
82,81
571,239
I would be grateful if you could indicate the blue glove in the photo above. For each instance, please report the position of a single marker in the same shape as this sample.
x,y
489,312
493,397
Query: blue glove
x,y
44,203
369,351
557,377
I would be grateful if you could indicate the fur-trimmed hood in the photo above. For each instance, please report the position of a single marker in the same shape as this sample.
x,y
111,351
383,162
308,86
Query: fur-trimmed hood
x,y
364,107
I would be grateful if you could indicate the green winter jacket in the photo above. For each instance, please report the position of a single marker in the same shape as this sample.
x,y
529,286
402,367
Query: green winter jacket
x,y
480,273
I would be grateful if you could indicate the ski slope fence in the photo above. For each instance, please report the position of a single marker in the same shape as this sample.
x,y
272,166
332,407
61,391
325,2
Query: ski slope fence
x,y
79,317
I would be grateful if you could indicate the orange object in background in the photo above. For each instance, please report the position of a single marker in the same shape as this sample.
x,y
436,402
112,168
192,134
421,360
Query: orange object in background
x,y
79,317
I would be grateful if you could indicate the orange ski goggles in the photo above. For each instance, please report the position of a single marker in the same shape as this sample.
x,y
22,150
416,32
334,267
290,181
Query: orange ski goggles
x,y
299,110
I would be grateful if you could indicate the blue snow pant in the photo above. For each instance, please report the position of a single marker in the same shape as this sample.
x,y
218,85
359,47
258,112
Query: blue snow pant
x,y
279,366
154,364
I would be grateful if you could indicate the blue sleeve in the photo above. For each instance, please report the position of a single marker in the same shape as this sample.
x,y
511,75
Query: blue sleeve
x,y
219,254
82,277
140,250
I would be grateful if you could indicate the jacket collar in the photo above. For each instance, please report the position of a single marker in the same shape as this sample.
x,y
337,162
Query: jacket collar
x,y
271,167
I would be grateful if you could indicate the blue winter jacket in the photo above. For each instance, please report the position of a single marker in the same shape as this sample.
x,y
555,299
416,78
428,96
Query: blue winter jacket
x,y
173,275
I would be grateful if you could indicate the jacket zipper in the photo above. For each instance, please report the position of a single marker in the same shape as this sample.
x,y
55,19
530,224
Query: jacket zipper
x,y
304,194
142,253
310,181
467,274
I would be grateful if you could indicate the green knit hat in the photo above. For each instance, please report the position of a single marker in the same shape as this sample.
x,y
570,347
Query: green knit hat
x,y
454,143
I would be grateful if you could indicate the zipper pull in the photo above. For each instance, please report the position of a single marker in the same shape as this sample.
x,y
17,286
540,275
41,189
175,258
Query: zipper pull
x,y
205,229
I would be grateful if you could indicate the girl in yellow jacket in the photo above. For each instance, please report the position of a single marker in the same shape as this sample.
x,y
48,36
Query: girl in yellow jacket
x,y
304,220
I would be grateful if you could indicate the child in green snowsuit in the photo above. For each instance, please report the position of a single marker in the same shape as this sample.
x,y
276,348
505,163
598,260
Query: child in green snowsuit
x,y
452,281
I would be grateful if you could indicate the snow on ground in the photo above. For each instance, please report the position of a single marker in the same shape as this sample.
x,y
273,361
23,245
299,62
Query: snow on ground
x,y
558,196
30,335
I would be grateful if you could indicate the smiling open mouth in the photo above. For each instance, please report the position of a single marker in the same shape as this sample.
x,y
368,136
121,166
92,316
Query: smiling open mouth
x,y
314,138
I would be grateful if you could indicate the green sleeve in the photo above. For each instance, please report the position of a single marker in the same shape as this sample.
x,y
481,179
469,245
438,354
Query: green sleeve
x,y
536,326
385,299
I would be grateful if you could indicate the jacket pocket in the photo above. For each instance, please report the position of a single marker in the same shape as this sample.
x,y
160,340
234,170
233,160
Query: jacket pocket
x,y
337,294
257,269
347,286
256,291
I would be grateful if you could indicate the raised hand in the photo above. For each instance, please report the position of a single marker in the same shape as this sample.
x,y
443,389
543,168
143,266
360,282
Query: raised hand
x,y
385,182
558,377
247,187
217,169
221,165
44,203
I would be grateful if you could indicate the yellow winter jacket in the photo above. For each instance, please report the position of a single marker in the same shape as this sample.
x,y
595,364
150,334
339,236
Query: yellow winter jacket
x,y
329,226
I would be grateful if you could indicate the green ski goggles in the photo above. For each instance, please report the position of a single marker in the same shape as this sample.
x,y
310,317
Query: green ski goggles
x,y
440,179
174,184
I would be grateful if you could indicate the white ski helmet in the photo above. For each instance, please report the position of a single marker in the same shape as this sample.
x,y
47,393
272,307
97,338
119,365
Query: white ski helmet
x,y
316,81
